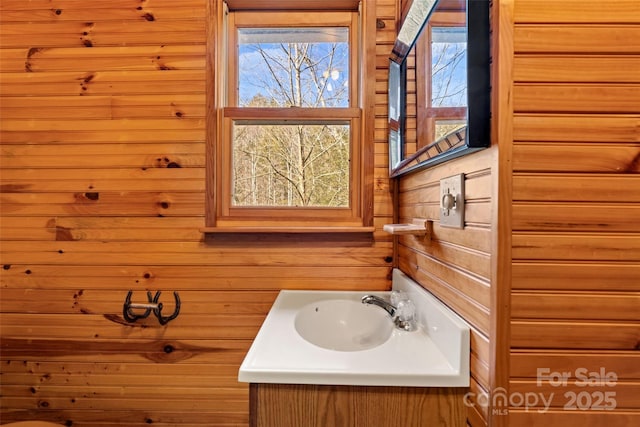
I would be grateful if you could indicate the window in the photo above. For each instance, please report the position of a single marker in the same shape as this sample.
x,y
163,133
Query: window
x,y
288,147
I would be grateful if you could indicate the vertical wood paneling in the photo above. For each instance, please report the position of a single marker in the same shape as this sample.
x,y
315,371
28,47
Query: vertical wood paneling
x,y
576,260
502,191
102,190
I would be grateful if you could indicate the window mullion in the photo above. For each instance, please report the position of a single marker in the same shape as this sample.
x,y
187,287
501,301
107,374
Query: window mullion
x,y
288,114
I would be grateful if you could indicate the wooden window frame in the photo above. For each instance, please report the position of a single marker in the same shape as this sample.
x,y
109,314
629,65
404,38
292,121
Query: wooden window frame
x,y
220,215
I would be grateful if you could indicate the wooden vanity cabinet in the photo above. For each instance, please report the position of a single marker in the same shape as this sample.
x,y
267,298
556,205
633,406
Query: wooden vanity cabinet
x,y
296,405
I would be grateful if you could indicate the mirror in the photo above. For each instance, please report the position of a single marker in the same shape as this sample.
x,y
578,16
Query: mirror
x,y
439,84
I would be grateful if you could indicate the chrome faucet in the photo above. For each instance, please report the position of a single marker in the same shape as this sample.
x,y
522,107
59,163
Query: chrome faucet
x,y
375,300
403,315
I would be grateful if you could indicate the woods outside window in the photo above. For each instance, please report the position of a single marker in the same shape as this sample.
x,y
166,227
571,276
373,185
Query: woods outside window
x,y
288,146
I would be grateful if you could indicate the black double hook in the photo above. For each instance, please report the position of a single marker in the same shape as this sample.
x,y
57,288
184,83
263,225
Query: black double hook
x,y
152,305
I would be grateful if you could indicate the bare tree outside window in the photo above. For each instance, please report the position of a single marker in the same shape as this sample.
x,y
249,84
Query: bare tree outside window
x,y
448,75
301,163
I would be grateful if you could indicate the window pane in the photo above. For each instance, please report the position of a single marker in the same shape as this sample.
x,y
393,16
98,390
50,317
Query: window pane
x,y
301,165
293,67
449,67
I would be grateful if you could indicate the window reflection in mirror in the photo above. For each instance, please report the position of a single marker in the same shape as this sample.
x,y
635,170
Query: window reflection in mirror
x,y
448,101
447,105
441,69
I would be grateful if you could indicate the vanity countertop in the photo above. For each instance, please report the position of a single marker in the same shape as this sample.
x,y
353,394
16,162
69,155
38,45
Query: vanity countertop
x,y
434,355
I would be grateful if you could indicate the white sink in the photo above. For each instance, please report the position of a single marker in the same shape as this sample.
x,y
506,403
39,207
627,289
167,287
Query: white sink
x,y
330,337
343,325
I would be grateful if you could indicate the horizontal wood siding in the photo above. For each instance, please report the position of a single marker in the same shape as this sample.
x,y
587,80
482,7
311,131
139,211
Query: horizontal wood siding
x,y
456,265
103,191
576,250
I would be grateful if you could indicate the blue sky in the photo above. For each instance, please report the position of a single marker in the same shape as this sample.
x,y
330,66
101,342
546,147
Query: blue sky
x,y
322,69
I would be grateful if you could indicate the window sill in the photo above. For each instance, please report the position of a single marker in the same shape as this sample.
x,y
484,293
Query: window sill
x,y
285,229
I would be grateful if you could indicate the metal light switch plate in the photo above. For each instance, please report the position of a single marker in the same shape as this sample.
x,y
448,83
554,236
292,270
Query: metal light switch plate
x,y
452,201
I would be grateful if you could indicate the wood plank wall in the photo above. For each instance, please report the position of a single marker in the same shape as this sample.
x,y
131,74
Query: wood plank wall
x,y
103,170
572,151
457,264
576,204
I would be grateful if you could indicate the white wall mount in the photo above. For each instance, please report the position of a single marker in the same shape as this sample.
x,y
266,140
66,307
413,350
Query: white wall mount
x,y
452,201
417,227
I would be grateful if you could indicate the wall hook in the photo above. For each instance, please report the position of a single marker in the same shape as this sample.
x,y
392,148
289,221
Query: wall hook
x,y
153,305
158,310
131,317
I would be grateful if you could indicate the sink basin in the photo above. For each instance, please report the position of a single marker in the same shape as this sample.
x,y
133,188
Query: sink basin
x,y
331,338
343,325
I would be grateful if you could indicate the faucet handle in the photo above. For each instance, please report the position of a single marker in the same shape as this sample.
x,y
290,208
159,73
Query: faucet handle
x,y
405,315
397,296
